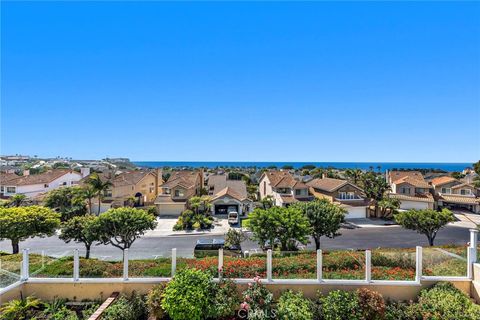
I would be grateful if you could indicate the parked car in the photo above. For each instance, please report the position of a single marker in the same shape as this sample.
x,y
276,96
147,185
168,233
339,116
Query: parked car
x,y
233,217
209,247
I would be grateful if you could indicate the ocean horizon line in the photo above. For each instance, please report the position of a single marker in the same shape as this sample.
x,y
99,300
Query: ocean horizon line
x,y
446,166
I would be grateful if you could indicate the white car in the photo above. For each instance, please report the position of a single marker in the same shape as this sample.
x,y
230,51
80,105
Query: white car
x,y
233,217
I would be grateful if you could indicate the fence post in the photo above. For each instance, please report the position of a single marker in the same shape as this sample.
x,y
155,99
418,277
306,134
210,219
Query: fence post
x,y
76,265
419,264
319,265
220,263
174,261
269,265
25,265
472,252
368,265
125,264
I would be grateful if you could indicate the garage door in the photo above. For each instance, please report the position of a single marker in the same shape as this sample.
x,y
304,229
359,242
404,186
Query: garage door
x,y
170,209
223,208
406,205
356,212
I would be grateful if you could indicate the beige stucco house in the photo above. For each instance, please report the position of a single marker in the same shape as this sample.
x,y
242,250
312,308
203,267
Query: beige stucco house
x,y
283,188
411,189
454,194
228,194
342,192
174,194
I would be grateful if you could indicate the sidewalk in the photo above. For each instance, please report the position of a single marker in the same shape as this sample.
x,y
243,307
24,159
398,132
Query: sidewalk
x,y
368,223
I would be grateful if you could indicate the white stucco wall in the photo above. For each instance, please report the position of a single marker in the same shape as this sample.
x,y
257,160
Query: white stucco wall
x,y
67,180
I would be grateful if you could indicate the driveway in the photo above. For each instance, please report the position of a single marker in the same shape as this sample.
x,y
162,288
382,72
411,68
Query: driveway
x,y
165,228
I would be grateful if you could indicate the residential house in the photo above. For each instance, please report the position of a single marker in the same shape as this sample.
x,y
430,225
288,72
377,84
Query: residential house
x,y
342,192
174,194
455,194
228,194
141,185
36,184
411,189
283,188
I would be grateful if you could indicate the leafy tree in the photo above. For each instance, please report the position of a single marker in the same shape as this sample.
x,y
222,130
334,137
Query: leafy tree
x,y
476,180
200,204
267,202
121,227
287,167
388,206
20,223
16,200
375,187
100,186
81,229
166,176
252,191
427,221
308,167
458,175
69,202
278,224
325,218
234,238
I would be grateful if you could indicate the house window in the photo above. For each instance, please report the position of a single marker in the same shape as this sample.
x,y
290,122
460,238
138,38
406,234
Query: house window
x,y
1,189
178,193
405,190
420,190
11,190
64,183
45,185
264,187
346,195
298,192
446,190
465,192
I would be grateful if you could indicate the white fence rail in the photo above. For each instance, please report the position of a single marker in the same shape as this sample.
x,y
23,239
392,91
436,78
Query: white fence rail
x,y
471,259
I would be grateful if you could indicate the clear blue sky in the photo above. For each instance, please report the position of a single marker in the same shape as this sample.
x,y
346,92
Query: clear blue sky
x,y
247,81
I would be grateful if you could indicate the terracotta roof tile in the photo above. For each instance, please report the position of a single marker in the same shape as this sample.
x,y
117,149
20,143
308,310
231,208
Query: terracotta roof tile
x,y
442,180
41,178
327,184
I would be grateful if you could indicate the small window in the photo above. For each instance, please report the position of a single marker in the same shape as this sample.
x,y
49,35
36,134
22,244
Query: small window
x,y
45,185
1,189
351,195
446,190
465,192
11,190
178,193
405,190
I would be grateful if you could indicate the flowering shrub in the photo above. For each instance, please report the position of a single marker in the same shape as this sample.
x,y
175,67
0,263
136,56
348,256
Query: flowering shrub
x,y
371,303
293,305
341,305
257,302
226,299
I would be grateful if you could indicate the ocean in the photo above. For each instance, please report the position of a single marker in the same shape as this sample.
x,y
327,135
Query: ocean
x,y
338,165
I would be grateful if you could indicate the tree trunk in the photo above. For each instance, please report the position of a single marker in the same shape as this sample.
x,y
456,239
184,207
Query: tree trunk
x,y
317,243
15,248
430,240
87,252
99,204
90,206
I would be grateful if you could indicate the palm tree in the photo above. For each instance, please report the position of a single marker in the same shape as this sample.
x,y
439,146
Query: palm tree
x,y
354,175
89,193
96,183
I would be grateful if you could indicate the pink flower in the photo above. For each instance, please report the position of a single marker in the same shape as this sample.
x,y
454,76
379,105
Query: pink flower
x,y
244,306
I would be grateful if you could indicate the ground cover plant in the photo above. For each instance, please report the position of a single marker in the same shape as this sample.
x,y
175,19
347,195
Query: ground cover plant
x,y
387,264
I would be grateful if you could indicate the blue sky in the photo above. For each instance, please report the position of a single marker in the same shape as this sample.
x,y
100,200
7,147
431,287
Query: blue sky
x,y
250,81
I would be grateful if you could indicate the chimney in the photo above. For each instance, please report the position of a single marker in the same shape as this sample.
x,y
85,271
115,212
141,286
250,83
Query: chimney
x,y
158,180
85,172
26,172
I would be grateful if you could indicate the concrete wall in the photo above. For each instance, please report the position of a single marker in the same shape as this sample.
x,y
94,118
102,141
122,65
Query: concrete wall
x,y
101,290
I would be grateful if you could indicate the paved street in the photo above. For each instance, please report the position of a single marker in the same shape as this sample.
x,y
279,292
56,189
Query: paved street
x,y
152,246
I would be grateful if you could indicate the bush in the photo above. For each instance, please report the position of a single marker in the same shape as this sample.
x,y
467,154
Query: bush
x,y
257,301
154,301
341,305
127,309
444,301
23,309
226,299
371,303
293,305
189,295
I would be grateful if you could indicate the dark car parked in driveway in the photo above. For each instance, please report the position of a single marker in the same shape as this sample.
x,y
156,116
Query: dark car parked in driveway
x,y
209,247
